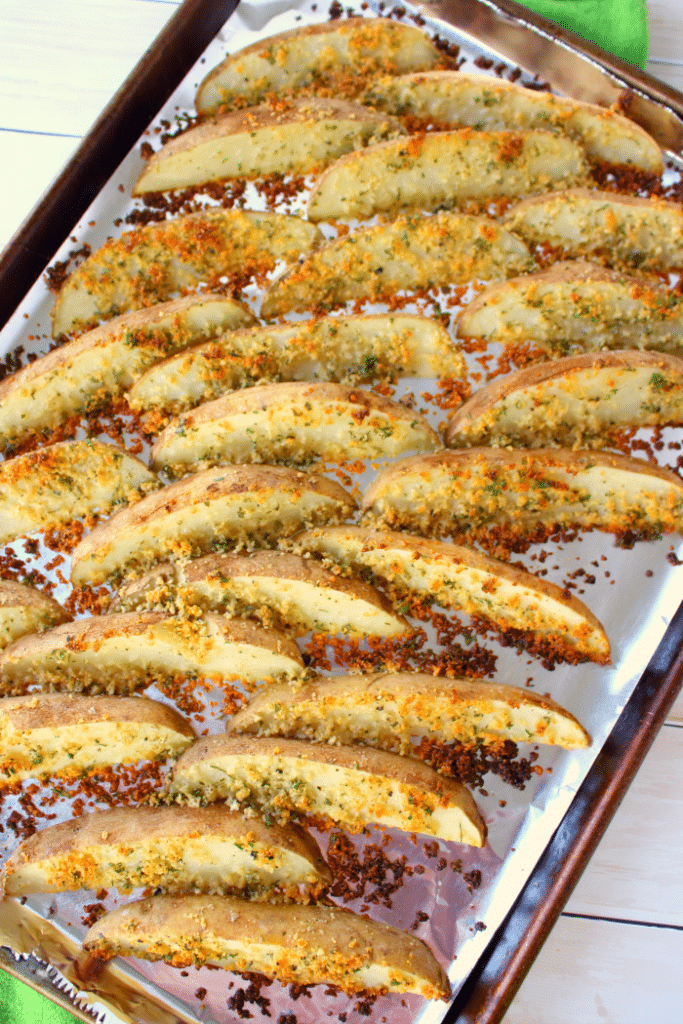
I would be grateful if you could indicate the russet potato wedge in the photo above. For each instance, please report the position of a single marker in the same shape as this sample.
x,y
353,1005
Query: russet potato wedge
x,y
226,506
46,734
333,58
396,712
492,104
412,252
63,481
579,401
517,492
344,349
302,945
445,169
267,585
576,303
119,653
147,265
292,423
26,610
175,849
85,372
514,602
305,136
621,231
351,786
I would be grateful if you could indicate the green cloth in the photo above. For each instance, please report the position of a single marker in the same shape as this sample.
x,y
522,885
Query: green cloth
x,y
618,26
19,1004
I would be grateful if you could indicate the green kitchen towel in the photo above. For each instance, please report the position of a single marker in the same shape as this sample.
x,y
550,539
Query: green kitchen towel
x,y
19,1004
618,26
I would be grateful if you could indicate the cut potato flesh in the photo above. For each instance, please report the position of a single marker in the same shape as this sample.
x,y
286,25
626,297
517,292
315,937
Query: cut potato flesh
x,y
302,945
578,401
351,786
412,252
307,135
25,610
456,492
620,231
457,577
82,373
45,734
268,585
63,481
577,303
346,349
333,59
445,169
396,712
233,504
486,103
292,423
117,653
147,265
175,849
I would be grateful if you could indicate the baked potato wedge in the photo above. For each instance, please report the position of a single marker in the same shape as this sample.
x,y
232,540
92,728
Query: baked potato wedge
x,y
445,169
103,362
50,734
344,349
246,505
412,252
63,481
120,653
274,586
332,59
26,610
302,945
396,712
579,401
491,104
175,849
625,232
350,786
577,304
516,603
147,265
518,493
295,423
305,136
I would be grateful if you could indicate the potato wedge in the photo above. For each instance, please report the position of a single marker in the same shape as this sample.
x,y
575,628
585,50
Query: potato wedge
x,y
44,734
492,104
121,653
79,375
519,605
351,786
579,401
305,136
26,610
268,585
332,58
63,481
147,265
445,169
292,423
620,231
306,945
411,252
577,304
175,849
515,492
246,505
396,712
345,349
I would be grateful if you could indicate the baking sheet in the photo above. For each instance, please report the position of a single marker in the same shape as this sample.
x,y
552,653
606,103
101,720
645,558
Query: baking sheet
x,y
464,916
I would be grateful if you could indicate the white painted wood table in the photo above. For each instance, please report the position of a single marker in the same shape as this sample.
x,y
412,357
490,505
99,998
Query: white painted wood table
x,y
615,955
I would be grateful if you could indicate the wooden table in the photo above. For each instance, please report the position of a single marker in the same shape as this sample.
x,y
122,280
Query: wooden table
x,y
615,955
